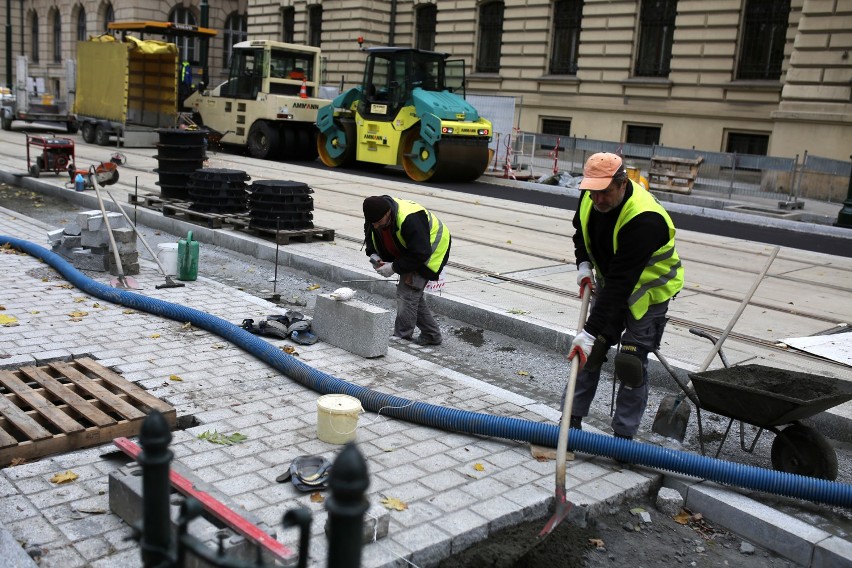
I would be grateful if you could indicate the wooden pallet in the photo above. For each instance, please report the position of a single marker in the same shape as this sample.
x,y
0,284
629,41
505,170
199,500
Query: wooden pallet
x,y
149,200
284,236
181,210
66,406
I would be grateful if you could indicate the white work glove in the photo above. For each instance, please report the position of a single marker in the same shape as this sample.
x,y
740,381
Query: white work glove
x,y
585,277
581,347
375,260
386,269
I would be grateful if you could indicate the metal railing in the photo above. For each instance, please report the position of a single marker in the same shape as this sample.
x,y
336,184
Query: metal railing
x,y
723,173
346,506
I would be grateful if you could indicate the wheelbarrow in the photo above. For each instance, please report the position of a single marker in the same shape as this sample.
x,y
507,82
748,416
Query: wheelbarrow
x,y
770,398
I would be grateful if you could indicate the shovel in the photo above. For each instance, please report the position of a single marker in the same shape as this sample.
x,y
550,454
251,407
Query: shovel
x,y
122,281
563,507
672,415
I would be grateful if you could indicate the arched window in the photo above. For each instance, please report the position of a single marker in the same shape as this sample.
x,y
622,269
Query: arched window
x,y
427,17
35,36
764,36
187,46
57,37
109,16
288,24
567,17
81,24
236,30
490,37
315,25
656,35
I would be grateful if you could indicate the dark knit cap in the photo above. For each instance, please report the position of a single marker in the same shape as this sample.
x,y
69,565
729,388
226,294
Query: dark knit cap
x,y
375,208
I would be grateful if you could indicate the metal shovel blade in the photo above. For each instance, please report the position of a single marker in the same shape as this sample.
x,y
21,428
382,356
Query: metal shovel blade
x,y
124,282
563,507
672,417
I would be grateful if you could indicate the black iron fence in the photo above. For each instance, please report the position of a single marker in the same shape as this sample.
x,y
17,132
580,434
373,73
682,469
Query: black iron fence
x,y
346,506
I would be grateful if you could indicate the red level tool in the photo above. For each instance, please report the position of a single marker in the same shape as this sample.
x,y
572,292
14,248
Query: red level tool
x,y
216,508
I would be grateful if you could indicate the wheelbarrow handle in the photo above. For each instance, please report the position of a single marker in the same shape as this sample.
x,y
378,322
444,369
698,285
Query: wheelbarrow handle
x,y
713,339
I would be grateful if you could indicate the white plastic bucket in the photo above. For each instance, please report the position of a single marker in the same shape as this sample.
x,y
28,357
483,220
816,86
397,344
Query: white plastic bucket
x,y
167,255
337,418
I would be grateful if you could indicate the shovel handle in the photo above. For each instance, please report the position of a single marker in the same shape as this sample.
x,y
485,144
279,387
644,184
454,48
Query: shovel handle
x,y
562,443
739,311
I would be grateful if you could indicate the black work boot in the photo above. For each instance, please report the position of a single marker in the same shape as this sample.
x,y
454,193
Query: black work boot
x,y
576,422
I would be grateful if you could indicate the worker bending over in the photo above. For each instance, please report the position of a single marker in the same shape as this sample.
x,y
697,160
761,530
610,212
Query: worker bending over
x,y
624,243
404,238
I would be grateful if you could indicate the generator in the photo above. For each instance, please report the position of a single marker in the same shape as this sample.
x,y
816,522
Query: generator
x,y
49,154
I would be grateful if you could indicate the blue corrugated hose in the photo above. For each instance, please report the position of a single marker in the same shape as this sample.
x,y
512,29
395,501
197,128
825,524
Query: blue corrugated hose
x,y
454,420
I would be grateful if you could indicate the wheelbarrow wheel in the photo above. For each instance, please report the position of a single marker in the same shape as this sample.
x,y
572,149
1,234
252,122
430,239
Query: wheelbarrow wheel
x,y
802,450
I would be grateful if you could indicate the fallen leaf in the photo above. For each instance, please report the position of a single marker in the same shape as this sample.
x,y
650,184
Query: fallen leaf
x,y
78,300
290,350
682,518
478,467
394,504
4,320
314,287
18,461
63,477
637,510
175,378
518,312
509,242
35,312
523,373
217,346
597,543
155,336
317,497
2,308
128,311
90,510
96,305
187,325
66,286
78,314
216,437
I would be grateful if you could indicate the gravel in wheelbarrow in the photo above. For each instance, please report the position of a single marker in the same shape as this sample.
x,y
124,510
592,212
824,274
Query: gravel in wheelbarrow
x,y
766,396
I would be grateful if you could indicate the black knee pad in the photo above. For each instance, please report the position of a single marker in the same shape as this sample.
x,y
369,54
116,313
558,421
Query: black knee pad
x,y
630,365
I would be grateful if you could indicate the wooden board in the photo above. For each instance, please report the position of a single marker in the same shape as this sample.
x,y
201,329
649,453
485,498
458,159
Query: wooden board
x,y
149,201
284,236
66,406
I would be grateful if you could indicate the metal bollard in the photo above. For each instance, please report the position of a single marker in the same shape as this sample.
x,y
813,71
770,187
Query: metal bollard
x,y
155,459
346,507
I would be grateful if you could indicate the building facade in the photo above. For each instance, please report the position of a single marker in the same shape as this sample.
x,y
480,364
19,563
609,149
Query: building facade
x,y
767,77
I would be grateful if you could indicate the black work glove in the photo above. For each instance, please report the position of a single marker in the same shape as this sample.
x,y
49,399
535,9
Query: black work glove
x,y
597,356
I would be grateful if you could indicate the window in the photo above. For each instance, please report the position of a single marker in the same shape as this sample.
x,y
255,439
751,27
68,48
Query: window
x,y
57,37
554,128
36,40
764,36
490,37
567,15
747,143
109,16
427,17
315,25
187,46
288,25
236,27
642,134
656,34
81,24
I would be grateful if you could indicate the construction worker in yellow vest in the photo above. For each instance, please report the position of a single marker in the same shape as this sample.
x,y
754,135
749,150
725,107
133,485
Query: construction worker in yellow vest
x,y
403,238
624,242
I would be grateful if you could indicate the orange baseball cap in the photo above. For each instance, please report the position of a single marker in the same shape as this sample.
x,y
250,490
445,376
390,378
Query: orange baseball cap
x,y
599,170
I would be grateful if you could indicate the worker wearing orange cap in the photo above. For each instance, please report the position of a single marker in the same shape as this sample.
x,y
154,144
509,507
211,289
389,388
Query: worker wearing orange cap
x,y
624,242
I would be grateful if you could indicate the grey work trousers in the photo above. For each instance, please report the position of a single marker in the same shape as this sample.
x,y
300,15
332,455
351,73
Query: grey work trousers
x,y
630,402
412,311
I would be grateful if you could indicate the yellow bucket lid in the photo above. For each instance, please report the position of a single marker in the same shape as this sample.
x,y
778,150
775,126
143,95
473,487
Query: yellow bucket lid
x,y
339,404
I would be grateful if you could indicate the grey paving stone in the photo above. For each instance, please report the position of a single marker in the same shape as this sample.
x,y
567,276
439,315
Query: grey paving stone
x,y
833,552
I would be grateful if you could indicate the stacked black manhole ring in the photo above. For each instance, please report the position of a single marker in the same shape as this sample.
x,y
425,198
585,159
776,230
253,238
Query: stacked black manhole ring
x,y
280,205
218,190
179,153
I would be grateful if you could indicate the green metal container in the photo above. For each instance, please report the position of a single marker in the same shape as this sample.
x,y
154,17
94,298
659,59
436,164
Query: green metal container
x,y
187,258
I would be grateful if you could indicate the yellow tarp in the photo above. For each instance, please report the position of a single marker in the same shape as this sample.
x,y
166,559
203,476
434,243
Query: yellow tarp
x,y
127,82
